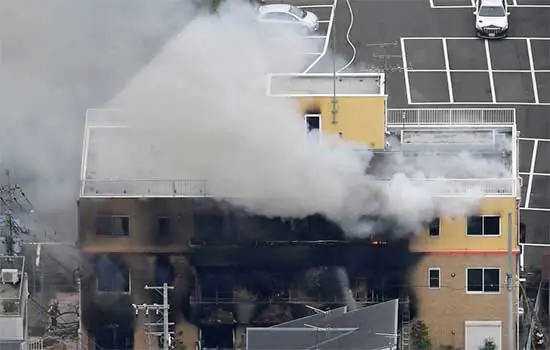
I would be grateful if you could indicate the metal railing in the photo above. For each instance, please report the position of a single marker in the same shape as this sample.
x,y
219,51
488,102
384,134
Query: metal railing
x,y
144,188
458,187
451,116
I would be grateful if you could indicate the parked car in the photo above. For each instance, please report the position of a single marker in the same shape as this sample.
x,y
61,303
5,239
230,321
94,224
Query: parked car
x,y
492,18
282,13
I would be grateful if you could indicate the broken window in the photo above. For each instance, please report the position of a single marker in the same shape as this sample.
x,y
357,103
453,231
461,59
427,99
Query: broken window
x,y
113,225
483,280
112,276
209,228
434,278
434,228
163,226
483,226
313,125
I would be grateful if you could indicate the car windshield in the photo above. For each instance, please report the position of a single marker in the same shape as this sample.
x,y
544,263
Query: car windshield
x,y
492,11
298,12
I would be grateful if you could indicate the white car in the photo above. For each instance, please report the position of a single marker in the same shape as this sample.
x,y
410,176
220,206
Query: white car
x,y
492,18
282,13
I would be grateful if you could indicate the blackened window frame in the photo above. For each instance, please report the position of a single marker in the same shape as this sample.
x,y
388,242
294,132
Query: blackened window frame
x,y
109,220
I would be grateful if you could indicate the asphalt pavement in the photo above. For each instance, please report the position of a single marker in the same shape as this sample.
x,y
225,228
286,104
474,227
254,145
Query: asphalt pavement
x,y
476,74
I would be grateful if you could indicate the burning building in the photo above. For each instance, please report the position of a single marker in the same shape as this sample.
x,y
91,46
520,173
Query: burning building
x,y
432,234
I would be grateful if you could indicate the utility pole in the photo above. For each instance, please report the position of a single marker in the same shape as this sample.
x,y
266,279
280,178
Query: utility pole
x,y
163,310
509,286
10,229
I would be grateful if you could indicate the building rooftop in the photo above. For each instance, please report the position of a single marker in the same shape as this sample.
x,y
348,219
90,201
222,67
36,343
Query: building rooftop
x,y
488,136
11,294
326,84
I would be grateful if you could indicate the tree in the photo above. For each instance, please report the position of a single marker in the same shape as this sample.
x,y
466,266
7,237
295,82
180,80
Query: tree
x,y
488,344
420,336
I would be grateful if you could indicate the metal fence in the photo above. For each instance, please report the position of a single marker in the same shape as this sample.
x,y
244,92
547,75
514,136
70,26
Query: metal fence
x,y
458,187
144,188
451,116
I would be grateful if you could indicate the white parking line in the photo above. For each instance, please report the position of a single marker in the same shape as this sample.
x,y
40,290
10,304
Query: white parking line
x,y
532,66
448,70
406,71
536,209
490,68
473,71
535,174
327,21
471,37
533,139
513,5
531,171
327,37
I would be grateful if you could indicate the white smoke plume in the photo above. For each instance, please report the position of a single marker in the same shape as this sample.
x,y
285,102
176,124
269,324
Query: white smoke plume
x,y
200,111
58,58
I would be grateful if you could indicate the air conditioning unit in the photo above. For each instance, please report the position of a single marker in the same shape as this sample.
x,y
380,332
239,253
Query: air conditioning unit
x,y
10,276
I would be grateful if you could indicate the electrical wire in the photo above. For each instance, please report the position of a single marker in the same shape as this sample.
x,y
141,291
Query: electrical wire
x,y
350,62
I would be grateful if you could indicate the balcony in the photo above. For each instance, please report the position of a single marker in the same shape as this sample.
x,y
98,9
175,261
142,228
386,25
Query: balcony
x,y
464,117
467,187
144,188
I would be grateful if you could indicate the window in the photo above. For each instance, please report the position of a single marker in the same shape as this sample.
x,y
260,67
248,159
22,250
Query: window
x,y
112,276
313,125
483,280
483,226
113,225
298,12
433,228
434,278
492,11
163,226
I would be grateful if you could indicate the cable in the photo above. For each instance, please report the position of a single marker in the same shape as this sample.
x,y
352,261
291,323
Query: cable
x,y
350,62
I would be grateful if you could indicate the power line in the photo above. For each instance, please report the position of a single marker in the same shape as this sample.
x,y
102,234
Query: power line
x,y
163,310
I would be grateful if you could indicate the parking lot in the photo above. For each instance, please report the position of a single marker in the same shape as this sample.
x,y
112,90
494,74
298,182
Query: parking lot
x,y
473,71
324,9
437,4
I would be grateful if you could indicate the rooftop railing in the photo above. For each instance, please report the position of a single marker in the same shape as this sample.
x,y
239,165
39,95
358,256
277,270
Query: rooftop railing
x,y
464,187
199,188
452,116
144,188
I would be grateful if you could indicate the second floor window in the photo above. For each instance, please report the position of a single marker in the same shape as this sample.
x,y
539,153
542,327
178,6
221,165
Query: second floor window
x,y
113,225
483,226
483,280
434,278
163,226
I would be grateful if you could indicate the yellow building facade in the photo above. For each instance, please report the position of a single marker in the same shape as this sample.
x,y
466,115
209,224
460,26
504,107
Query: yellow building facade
x,y
460,285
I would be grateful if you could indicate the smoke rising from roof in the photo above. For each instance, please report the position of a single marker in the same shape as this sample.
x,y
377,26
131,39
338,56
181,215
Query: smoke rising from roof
x,y
200,111
58,58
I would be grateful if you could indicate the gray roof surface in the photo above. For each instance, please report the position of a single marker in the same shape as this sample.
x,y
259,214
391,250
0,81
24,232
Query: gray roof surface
x,y
365,328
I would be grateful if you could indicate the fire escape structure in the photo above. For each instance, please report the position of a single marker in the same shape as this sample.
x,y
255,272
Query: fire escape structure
x,y
404,304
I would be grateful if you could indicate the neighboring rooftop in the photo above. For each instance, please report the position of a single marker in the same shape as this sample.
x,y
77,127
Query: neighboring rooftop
x,y
364,328
326,84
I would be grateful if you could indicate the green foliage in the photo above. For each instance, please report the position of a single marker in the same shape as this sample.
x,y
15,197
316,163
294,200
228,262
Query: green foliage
x,y
9,306
447,347
488,344
214,4
420,337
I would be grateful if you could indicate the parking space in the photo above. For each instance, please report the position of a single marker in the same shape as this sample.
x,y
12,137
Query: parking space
x,y
475,71
534,169
317,44
464,4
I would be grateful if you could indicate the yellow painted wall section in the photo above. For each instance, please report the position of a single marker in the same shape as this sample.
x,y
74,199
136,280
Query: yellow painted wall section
x,y
452,232
359,119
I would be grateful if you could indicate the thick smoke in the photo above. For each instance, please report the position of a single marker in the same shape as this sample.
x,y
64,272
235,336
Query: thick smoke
x,y
200,111
58,58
